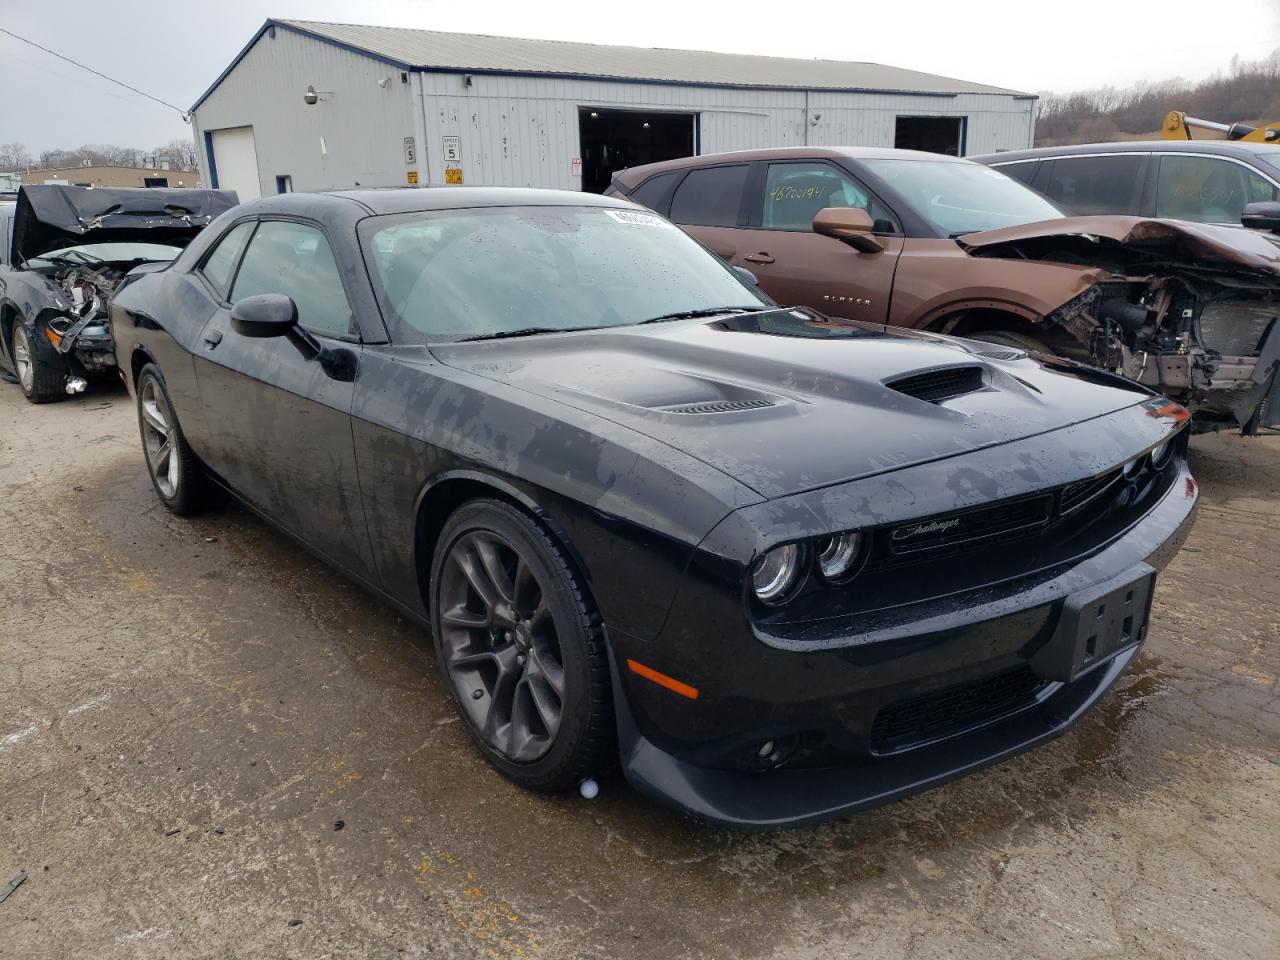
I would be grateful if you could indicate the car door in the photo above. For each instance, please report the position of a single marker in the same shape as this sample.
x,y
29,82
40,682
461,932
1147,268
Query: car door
x,y
797,266
279,415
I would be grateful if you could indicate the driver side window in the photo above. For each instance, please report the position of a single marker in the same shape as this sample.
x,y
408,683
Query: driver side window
x,y
295,259
795,192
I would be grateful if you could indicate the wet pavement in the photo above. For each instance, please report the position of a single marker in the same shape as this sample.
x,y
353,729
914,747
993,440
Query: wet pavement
x,y
205,736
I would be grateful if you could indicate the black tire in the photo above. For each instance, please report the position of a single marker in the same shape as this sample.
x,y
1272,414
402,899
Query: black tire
x,y
584,741
177,475
1019,341
45,381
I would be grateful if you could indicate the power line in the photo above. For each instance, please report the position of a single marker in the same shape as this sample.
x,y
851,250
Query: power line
x,y
96,73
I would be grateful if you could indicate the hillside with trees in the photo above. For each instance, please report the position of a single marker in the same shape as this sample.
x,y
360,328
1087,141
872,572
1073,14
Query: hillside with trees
x,y
1248,92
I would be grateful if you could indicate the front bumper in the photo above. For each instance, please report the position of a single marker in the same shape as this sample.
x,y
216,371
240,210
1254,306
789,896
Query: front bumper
x,y
688,752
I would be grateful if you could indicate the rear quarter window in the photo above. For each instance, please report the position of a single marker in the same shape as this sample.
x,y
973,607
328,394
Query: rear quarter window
x,y
710,196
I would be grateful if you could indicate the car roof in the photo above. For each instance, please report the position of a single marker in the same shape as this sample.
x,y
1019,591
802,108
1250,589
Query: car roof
x,y
1221,148
413,199
632,174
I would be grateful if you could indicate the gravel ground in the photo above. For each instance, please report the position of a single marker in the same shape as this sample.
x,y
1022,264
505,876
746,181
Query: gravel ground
x,y
213,746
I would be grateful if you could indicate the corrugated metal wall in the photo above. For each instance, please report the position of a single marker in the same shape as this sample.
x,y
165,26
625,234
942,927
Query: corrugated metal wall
x,y
523,131
362,125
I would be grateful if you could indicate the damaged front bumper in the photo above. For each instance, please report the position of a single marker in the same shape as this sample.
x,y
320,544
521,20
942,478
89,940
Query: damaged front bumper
x,y
85,340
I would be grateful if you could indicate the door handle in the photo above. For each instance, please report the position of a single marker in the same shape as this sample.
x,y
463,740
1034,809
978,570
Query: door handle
x,y
760,257
213,338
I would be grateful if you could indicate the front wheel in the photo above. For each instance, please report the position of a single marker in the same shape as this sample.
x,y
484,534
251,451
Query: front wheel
x,y
39,380
175,472
521,647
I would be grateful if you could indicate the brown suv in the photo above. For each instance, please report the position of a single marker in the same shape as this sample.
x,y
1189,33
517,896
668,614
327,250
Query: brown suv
x,y
947,245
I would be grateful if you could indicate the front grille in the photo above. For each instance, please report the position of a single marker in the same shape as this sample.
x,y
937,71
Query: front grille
x,y
949,712
716,406
935,386
1235,328
1077,495
969,526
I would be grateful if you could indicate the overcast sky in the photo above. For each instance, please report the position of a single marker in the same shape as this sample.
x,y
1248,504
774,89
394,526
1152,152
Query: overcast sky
x,y
175,50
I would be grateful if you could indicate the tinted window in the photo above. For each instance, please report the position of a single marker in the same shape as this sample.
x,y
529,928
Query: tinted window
x,y
1022,172
795,192
1207,189
1089,185
710,197
651,193
294,259
222,262
464,273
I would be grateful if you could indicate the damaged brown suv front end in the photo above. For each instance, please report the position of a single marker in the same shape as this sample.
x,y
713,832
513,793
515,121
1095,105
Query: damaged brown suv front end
x,y
945,245
1186,309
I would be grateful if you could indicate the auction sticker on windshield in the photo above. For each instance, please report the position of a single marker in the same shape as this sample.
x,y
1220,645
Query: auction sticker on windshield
x,y
638,218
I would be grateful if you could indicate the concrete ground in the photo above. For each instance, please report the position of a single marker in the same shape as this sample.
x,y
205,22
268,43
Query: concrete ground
x,y
189,709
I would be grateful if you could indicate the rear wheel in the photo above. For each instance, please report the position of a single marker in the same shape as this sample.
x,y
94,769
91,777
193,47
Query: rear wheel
x,y
175,472
521,647
40,381
1006,338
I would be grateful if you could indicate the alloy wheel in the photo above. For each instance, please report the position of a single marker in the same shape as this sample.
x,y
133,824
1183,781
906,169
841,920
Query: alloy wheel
x,y
22,358
501,646
162,459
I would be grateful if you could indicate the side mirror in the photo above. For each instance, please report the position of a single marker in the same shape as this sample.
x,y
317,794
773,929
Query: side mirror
x,y
1263,215
748,276
852,225
264,315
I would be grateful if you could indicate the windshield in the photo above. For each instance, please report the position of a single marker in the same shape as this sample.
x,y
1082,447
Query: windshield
x,y
89,253
480,272
960,198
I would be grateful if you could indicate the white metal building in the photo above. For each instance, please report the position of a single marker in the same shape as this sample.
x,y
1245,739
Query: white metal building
x,y
312,106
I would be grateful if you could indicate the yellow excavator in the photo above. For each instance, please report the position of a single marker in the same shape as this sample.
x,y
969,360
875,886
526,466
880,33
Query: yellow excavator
x,y
1178,126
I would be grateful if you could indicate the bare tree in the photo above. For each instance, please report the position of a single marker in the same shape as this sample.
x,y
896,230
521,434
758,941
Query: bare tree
x,y
14,157
180,153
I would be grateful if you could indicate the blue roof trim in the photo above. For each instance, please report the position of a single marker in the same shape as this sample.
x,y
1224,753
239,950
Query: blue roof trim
x,y
552,75
278,25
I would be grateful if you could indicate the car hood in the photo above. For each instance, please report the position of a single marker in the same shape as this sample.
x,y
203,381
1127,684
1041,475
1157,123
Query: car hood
x,y
1169,240
49,216
788,400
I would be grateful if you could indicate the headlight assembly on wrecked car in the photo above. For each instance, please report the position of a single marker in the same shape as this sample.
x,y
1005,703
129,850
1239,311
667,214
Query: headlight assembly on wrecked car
x,y
781,567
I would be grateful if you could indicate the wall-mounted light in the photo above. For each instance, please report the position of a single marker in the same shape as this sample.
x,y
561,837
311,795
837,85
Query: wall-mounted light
x,y
466,80
312,96
645,124
594,114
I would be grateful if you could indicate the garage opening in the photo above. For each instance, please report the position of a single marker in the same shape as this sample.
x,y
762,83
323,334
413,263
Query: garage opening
x,y
613,139
934,134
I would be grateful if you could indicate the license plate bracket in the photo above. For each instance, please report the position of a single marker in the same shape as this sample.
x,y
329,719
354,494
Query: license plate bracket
x,y
1097,624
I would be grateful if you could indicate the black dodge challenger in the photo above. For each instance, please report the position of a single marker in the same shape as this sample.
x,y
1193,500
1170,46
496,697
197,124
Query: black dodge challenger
x,y
782,567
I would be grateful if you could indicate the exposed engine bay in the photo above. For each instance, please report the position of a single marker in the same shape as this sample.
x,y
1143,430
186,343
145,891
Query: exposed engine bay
x,y
1195,327
84,330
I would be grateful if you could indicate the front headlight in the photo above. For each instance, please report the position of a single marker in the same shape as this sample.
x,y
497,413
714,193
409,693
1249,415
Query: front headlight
x,y
836,555
775,573
1160,454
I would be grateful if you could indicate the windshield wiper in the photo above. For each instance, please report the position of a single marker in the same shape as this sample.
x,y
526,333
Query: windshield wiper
x,y
522,332
705,312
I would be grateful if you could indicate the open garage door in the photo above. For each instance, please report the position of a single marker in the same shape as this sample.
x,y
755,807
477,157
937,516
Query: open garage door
x,y
613,139
934,134
234,162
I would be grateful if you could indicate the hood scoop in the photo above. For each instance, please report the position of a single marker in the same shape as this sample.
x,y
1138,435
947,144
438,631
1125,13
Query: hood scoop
x,y
939,384
715,406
